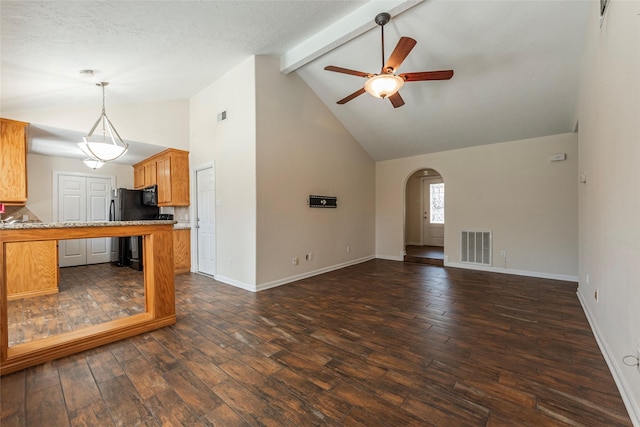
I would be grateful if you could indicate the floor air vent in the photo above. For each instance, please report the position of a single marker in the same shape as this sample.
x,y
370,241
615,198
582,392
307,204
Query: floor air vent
x,y
475,247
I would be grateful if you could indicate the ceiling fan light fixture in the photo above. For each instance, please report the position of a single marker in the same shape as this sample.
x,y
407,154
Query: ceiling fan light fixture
x,y
383,85
109,145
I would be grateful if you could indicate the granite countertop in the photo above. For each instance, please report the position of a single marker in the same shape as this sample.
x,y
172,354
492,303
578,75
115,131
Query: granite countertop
x,y
33,225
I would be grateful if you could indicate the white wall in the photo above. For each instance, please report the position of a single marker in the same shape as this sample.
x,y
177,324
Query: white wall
x,y
231,145
164,123
609,220
510,188
303,149
40,179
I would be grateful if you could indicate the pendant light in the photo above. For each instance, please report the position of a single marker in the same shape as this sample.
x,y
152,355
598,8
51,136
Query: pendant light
x,y
93,163
106,146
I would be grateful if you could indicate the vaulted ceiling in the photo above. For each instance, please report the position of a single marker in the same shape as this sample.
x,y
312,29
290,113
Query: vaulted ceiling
x,y
517,63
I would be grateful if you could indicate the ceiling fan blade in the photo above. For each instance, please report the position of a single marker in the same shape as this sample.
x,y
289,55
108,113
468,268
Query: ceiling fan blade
x,y
350,97
427,75
347,71
404,46
396,100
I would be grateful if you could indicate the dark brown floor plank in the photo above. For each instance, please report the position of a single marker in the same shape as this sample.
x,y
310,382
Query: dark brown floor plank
x,y
193,392
124,402
94,414
253,409
78,385
46,408
12,399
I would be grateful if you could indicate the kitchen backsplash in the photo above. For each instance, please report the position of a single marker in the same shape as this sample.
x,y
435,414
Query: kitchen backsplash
x,y
18,213
180,214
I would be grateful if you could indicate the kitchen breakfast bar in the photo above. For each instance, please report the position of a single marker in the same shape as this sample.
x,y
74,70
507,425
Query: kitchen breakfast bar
x,y
158,288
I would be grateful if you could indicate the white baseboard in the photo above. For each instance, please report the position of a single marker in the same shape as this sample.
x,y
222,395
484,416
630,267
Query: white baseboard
x,y
236,283
538,274
632,406
390,257
290,279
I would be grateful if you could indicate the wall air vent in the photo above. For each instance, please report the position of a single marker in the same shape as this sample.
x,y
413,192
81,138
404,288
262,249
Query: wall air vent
x,y
475,247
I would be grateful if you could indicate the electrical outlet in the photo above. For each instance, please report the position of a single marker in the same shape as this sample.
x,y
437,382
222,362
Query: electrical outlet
x,y
503,254
348,248
309,256
295,261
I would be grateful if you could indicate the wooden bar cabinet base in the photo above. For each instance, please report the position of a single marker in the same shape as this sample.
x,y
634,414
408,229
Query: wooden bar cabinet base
x,y
158,285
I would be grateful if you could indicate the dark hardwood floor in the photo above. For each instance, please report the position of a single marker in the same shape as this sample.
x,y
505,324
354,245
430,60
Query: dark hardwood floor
x,y
383,343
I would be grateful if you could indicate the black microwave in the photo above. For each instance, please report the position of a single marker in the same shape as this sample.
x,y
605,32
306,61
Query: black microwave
x,y
150,196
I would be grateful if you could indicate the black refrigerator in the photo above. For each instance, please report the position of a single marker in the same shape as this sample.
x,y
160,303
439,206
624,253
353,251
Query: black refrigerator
x,y
127,206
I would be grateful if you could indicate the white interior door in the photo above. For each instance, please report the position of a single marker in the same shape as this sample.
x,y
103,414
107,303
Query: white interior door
x,y
81,199
98,199
433,212
72,199
206,221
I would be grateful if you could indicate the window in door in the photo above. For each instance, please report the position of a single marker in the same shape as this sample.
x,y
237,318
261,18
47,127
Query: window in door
x,y
436,202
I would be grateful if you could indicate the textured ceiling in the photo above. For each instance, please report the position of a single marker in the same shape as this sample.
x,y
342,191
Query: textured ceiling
x,y
149,50
516,63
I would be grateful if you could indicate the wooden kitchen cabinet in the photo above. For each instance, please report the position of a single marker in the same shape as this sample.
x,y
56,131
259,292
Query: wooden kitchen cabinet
x,y
138,176
163,179
144,174
169,170
13,162
150,176
32,268
181,250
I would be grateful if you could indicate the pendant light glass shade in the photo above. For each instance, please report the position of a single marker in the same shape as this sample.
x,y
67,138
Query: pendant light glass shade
x,y
383,85
93,163
106,145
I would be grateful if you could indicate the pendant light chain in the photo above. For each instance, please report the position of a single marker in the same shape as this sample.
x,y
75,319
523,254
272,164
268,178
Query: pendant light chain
x,y
382,31
103,84
104,113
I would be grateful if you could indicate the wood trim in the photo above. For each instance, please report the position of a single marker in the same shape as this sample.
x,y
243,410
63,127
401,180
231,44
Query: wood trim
x,y
30,294
159,294
163,153
26,355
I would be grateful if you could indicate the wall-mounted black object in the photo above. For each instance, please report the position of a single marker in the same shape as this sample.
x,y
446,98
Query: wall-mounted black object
x,y
323,202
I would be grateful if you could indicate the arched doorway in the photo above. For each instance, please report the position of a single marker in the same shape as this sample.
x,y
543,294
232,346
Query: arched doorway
x,y
424,217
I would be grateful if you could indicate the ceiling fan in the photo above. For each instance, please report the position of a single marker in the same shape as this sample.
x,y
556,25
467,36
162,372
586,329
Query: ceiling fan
x,y
387,83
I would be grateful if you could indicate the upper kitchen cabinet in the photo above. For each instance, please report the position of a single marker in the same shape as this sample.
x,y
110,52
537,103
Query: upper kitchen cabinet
x,y
144,174
13,162
169,170
138,176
